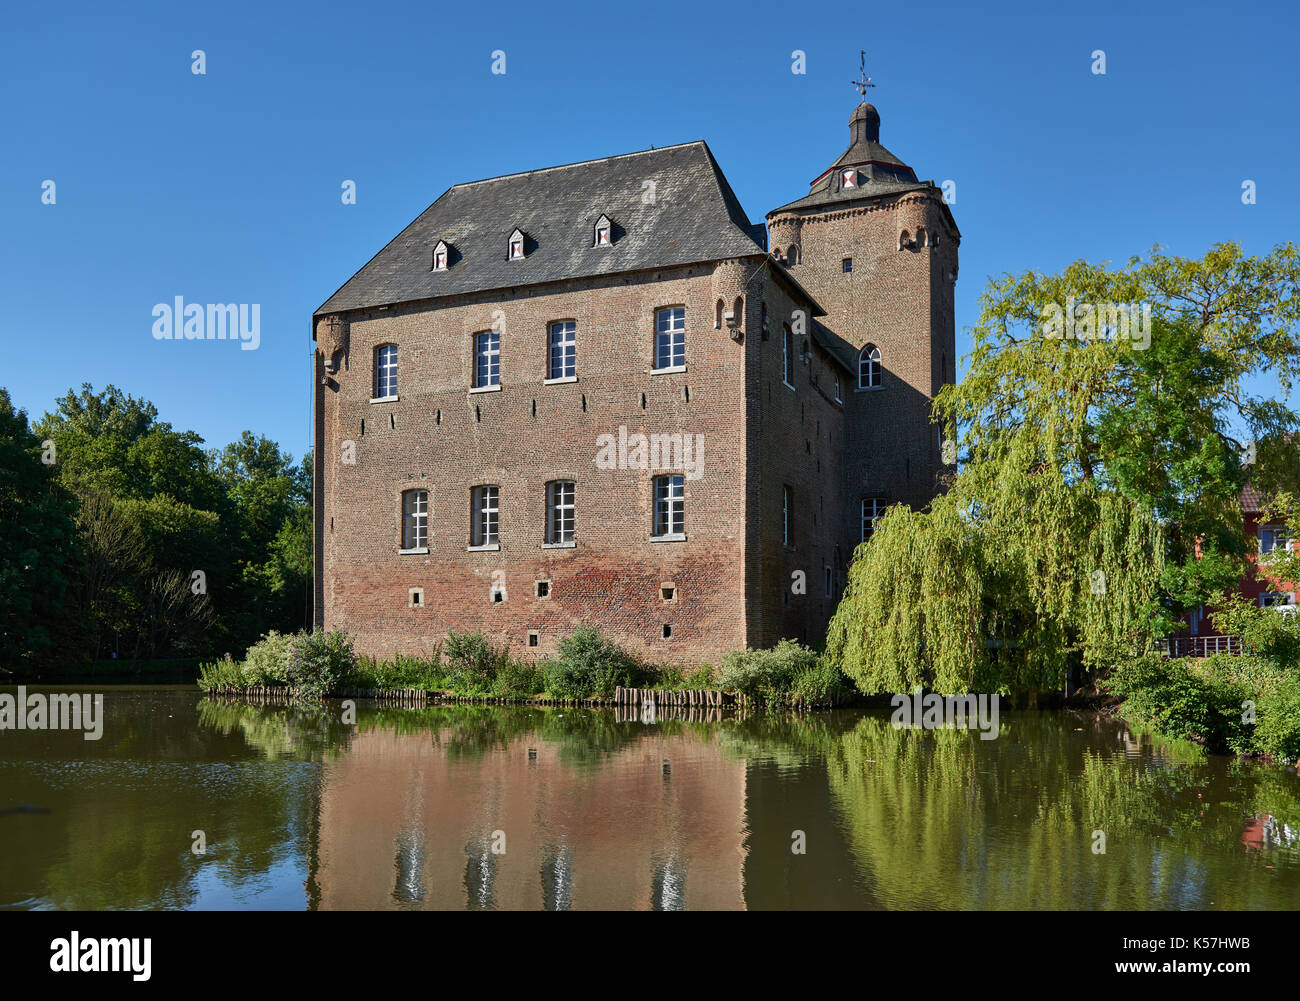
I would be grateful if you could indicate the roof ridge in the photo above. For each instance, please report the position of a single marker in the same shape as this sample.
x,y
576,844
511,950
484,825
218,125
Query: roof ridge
x,y
578,163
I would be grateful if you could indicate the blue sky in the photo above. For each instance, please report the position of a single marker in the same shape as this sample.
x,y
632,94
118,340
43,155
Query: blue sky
x,y
226,187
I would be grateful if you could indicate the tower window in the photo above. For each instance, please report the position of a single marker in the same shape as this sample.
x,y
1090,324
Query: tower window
x,y
869,367
872,509
849,178
847,264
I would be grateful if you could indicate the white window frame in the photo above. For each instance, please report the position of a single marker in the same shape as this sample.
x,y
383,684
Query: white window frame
x,y
385,386
670,332
485,517
787,349
1289,597
487,359
870,355
669,508
1276,534
872,509
440,256
565,349
415,520
561,513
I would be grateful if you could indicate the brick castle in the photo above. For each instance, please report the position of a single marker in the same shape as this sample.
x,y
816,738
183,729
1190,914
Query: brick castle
x,y
592,394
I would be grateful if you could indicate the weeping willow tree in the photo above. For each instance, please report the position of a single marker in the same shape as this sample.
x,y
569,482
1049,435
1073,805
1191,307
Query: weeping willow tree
x,y
1106,428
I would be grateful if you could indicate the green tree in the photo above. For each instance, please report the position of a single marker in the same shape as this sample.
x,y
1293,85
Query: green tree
x,y
1100,482
36,542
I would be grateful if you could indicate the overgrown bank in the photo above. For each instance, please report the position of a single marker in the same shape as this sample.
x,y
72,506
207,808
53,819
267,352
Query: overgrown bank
x,y
587,665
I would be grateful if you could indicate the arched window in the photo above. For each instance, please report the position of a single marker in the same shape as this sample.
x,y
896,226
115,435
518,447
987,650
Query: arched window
x,y
904,239
717,323
792,256
869,368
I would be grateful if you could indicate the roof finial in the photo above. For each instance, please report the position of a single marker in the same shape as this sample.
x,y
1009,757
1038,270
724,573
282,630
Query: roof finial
x,y
865,81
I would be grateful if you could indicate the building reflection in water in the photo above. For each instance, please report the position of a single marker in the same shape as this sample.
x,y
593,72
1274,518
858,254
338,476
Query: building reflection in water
x,y
584,823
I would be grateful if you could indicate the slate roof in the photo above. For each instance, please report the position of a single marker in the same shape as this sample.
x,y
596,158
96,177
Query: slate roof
x,y
694,217
879,171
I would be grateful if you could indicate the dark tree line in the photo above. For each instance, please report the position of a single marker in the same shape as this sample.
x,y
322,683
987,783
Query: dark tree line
x,y
122,536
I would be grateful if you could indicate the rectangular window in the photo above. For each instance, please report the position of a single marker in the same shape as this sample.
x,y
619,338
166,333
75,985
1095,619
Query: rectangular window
x,y
670,505
1276,599
1274,539
830,583
838,398
787,356
564,350
670,337
787,516
487,358
415,519
847,264
872,508
483,516
559,512
385,371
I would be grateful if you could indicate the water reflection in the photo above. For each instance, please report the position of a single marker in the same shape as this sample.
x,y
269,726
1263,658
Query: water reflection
x,y
477,808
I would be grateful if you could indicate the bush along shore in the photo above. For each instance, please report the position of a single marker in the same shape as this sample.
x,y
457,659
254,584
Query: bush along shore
x,y
589,668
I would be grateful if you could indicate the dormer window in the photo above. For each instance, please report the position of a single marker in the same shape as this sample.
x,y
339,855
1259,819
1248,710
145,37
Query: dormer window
x,y
517,245
440,256
849,178
604,232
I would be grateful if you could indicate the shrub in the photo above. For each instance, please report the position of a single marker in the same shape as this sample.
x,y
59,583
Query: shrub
x,y
1277,726
401,672
224,673
768,675
267,660
516,680
1179,698
589,664
473,661
319,661
822,684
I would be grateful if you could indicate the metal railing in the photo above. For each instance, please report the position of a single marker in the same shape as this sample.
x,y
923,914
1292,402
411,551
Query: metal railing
x,y
1198,646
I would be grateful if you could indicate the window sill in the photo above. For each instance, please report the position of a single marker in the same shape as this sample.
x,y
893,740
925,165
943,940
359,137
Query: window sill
x,y
559,545
485,389
494,547
787,385
384,399
668,370
560,381
668,538
869,389
422,551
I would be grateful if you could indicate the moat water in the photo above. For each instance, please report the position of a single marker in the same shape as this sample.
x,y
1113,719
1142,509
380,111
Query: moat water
x,y
487,807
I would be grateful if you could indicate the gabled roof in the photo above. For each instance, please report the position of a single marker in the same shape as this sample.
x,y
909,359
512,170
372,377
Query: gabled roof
x,y
673,205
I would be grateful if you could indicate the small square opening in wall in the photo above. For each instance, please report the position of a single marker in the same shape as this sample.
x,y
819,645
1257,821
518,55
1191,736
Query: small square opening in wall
x,y
542,588
533,637
847,264
668,631
498,596
668,591
415,597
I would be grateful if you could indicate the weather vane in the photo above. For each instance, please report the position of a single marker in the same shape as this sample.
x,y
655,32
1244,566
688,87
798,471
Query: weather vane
x,y
865,80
